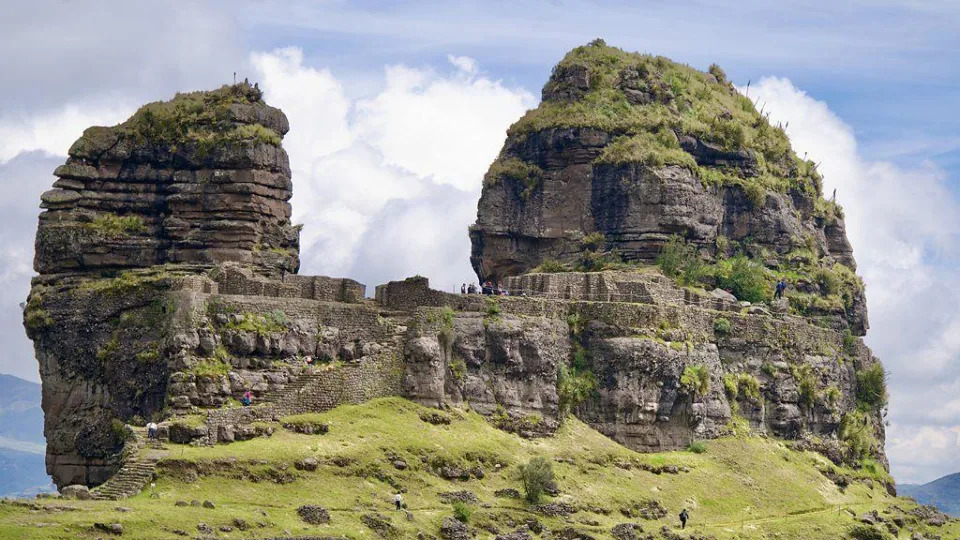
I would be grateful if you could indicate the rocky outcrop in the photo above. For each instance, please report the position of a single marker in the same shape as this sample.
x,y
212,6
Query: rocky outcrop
x,y
199,179
684,155
138,214
167,287
666,371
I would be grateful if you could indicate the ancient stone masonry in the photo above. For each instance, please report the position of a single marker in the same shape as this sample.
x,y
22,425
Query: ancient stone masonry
x,y
779,373
148,220
168,283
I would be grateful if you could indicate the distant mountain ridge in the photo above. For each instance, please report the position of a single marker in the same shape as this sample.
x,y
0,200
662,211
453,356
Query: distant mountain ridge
x,y
21,418
944,493
22,467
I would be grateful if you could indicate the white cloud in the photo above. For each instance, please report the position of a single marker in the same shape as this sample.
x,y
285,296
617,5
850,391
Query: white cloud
x,y
54,132
312,99
903,225
22,180
386,186
447,127
932,451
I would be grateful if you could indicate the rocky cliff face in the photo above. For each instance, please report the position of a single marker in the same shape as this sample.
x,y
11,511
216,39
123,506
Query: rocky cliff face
x,y
167,283
627,150
178,187
657,372
199,179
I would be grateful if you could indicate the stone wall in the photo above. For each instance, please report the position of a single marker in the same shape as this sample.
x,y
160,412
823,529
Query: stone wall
x,y
238,280
635,287
366,379
409,294
320,390
505,359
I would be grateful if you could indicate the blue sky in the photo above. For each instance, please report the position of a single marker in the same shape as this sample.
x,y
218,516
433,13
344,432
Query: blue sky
x,y
397,109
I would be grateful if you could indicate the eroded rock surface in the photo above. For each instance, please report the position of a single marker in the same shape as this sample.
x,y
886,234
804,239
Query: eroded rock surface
x,y
167,290
571,169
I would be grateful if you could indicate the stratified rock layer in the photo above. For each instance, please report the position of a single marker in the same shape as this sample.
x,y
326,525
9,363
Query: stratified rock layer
x,y
167,290
638,149
202,190
179,187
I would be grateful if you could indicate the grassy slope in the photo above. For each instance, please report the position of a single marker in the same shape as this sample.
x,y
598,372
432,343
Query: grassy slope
x,y
739,488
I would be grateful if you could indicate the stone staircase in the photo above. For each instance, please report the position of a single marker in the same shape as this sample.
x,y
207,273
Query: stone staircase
x,y
137,470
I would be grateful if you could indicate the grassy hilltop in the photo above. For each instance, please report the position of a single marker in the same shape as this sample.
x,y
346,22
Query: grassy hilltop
x,y
736,487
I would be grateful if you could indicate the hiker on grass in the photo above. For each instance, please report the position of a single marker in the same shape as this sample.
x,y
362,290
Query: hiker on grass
x,y
781,286
152,431
472,289
463,288
398,500
247,399
684,516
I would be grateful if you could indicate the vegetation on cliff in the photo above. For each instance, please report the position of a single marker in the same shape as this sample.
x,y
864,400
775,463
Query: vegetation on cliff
x,y
650,102
202,121
203,118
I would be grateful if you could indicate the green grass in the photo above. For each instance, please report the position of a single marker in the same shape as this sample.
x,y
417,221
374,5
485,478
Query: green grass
x,y
261,323
738,488
685,101
210,367
113,226
530,175
127,282
199,118
696,379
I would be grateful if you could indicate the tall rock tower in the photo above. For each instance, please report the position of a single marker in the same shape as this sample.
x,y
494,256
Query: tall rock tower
x,y
628,150
179,187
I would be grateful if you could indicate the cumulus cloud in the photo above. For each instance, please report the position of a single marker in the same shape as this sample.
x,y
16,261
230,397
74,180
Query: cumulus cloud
x,y
386,186
53,132
22,180
904,225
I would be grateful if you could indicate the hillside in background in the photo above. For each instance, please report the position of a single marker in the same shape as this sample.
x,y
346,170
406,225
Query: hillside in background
x,y
944,493
22,468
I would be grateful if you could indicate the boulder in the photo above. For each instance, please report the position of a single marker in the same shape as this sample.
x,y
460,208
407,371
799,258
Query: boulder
x,y
452,529
76,491
109,528
314,515
306,464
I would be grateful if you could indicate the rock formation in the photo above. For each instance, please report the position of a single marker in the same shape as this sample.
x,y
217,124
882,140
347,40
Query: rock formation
x,y
167,283
178,187
627,150
199,179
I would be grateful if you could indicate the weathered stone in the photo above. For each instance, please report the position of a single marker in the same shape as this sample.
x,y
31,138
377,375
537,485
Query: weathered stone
x,y
452,529
307,464
626,531
380,524
76,492
110,528
314,515
464,496
206,305
507,493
